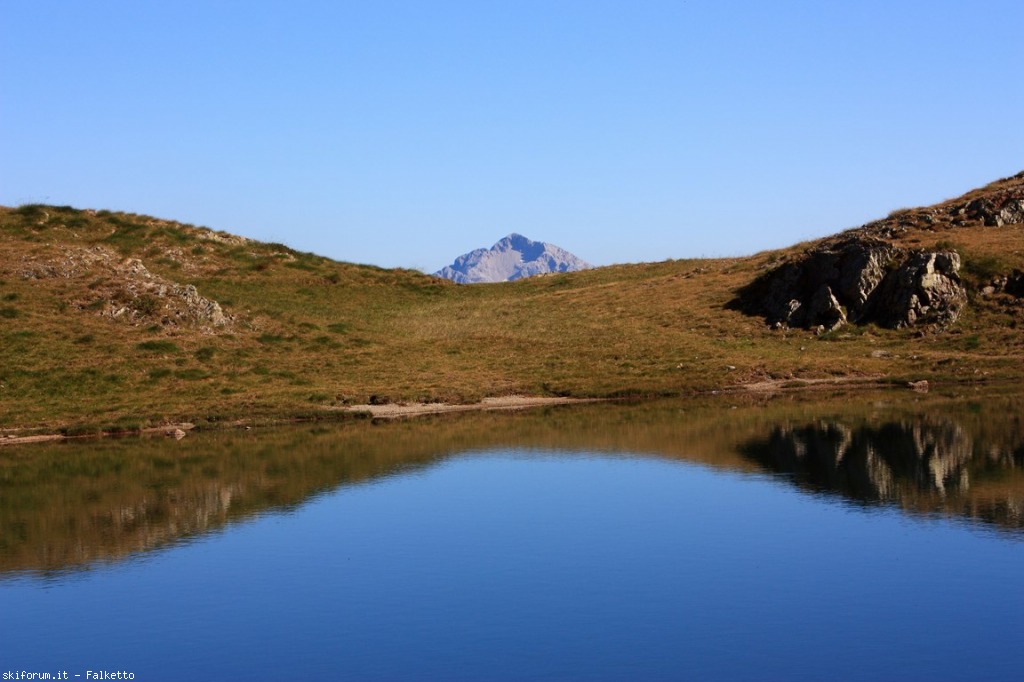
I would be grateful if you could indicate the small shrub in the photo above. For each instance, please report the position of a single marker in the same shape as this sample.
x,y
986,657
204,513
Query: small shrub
x,y
30,211
176,234
11,296
984,268
339,327
147,305
8,312
158,346
159,373
192,374
205,353
85,339
325,342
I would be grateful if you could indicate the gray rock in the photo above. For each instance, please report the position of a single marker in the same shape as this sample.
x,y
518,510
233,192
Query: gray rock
x,y
919,386
861,280
1011,212
825,309
925,289
200,308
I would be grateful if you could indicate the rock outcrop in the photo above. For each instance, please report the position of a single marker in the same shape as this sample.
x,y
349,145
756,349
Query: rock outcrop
x,y
1008,212
877,274
859,279
514,257
126,290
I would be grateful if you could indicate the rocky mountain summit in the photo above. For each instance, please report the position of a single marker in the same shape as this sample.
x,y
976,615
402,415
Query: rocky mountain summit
x,y
514,257
877,274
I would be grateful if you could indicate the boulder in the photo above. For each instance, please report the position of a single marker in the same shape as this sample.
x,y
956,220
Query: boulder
x,y
925,289
861,280
1010,212
824,309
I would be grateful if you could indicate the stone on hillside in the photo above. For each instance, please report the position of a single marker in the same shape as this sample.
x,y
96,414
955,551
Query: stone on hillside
x,y
825,310
860,280
201,309
925,289
986,210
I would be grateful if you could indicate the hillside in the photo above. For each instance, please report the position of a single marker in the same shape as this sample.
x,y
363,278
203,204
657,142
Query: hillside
x,y
118,321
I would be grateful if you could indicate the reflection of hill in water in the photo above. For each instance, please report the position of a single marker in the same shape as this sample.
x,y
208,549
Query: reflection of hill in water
x,y
68,506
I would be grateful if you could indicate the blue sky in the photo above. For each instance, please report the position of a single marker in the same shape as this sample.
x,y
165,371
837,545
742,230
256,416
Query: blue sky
x,y
406,133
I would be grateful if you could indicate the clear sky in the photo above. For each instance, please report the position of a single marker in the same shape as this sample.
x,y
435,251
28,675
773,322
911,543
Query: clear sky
x,y
407,133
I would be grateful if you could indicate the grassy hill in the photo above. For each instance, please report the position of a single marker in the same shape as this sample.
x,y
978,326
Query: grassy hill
x,y
118,321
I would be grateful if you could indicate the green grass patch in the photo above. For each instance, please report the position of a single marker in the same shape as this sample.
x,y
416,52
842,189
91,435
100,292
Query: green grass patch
x,y
192,374
158,346
983,268
972,342
147,304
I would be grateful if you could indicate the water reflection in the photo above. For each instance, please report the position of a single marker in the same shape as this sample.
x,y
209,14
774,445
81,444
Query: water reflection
x,y
924,463
66,507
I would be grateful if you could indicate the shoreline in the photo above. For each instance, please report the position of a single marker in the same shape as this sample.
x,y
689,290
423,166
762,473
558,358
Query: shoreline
x,y
403,410
512,402
179,430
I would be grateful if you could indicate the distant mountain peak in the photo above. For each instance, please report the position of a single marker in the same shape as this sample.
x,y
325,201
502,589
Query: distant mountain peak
x,y
513,257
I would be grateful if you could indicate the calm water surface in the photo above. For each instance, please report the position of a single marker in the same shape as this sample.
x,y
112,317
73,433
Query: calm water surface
x,y
876,540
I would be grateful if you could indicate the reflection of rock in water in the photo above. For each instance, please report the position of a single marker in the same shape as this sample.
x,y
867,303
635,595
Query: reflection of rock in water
x,y
925,464
157,520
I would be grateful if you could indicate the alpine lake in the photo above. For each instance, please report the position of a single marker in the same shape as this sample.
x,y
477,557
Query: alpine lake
x,y
866,536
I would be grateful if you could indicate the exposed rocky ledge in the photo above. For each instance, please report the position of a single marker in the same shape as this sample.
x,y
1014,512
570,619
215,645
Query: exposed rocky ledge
x,y
861,280
862,276
126,290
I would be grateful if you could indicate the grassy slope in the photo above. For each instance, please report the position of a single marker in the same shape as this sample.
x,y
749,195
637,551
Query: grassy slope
x,y
309,334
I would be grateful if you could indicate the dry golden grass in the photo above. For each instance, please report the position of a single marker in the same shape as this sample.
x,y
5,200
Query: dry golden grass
x,y
309,334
